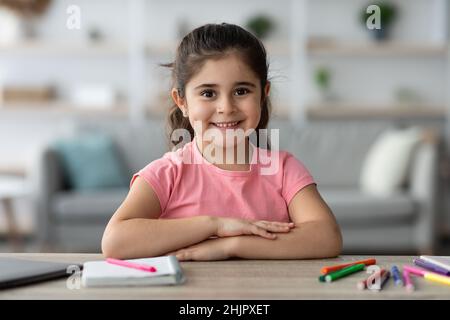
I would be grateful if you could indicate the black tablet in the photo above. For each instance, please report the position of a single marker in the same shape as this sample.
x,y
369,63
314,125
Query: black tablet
x,y
16,272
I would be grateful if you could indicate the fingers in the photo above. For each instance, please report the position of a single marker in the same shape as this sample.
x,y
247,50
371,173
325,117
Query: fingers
x,y
256,230
235,227
182,255
274,226
173,253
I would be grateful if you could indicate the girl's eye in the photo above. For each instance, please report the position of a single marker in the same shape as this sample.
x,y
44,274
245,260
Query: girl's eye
x,y
241,91
207,93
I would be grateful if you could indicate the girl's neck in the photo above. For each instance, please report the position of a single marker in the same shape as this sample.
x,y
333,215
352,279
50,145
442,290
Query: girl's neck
x,y
225,163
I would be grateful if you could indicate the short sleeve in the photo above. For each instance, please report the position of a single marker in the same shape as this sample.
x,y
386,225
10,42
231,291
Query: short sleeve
x,y
295,177
160,174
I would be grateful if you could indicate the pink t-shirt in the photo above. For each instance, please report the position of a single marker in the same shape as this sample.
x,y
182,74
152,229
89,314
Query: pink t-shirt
x,y
188,185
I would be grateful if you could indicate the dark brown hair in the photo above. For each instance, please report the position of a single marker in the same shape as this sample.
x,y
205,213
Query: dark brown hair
x,y
213,41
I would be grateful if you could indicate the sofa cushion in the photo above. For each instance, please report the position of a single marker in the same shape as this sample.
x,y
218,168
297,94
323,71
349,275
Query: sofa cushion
x,y
87,207
353,207
138,143
386,165
90,161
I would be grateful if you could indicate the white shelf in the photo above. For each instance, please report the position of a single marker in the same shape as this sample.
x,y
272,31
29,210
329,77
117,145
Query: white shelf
x,y
295,45
13,170
391,48
281,48
53,48
352,110
166,48
273,47
61,107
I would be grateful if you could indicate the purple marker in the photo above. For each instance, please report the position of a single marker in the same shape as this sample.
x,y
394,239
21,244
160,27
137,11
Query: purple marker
x,y
432,267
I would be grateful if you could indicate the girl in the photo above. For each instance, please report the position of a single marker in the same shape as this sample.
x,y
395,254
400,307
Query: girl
x,y
192,204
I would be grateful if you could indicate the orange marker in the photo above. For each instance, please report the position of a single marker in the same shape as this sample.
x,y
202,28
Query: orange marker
x,y
329,269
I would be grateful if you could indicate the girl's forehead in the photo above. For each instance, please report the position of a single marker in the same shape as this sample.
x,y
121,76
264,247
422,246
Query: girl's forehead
x,y
230,68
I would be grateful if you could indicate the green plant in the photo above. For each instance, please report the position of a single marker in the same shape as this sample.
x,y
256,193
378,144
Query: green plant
x,y
322,78
261,25
388,13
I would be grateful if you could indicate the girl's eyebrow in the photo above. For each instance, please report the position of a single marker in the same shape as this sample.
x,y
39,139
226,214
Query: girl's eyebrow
x,y
212,85
245,83
206,85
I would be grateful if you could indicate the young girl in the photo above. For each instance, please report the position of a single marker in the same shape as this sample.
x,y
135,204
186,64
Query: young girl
x,y
193,204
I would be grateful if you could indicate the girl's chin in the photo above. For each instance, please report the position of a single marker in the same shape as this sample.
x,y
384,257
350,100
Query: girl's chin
x,y
221,142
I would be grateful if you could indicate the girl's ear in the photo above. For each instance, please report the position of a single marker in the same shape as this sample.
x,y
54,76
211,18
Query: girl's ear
x,y
179,101
267,89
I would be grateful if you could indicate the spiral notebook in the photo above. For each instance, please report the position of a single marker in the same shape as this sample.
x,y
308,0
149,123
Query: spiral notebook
x,y
104,274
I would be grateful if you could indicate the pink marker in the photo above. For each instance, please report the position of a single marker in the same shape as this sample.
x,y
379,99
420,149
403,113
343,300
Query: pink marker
x,y
133,265
407,279
416,271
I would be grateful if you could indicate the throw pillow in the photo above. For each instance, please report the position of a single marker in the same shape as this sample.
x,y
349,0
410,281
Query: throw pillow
x,y
91,161
385,167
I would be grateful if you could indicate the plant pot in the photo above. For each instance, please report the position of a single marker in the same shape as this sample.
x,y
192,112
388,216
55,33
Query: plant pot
x,y
381,34
326,95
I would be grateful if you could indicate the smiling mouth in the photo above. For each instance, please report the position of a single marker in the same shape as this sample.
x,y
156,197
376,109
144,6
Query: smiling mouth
x,y
226,125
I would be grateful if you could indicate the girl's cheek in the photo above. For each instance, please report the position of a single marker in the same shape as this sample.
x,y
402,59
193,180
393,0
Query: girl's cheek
x,y
203,113
253,110
200,118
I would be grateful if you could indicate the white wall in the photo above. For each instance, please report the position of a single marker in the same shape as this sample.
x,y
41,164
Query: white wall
x,y
371,80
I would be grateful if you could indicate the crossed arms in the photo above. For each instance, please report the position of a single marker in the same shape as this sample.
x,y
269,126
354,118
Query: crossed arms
x,y
313,232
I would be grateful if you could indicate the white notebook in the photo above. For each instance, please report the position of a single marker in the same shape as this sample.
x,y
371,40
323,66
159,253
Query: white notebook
x,y
104,274
441,261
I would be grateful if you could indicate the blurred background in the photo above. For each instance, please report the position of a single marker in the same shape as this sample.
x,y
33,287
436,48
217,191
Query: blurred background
x,y
83,102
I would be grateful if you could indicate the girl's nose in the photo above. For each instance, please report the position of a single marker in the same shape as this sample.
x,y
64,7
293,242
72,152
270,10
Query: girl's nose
x,y
226,105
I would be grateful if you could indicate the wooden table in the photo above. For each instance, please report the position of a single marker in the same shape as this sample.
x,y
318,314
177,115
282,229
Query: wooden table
x,y
234,279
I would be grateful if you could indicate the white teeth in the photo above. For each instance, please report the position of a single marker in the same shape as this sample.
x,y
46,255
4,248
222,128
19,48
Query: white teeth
x,y
226,124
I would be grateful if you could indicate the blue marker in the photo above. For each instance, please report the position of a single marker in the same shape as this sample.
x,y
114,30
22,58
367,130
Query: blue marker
x,y
396,275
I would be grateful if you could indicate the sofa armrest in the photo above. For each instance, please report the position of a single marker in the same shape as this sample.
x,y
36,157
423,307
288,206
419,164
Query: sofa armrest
x,y
48,179
423,188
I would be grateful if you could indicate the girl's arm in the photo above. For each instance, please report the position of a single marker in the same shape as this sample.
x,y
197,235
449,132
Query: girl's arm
x,y
135,231
316,233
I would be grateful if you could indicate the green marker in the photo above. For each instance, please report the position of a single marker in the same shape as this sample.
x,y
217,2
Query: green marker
x,y
322,278
344,272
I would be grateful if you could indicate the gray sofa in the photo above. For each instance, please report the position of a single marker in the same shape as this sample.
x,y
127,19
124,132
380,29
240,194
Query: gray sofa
x,y
333,152
74,221
405,222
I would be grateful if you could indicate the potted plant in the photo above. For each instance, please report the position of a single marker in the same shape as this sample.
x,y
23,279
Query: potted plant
x,y
261,25
322,76
388,14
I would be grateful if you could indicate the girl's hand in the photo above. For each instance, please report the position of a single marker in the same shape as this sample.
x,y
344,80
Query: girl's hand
x,y
229,227
214,249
